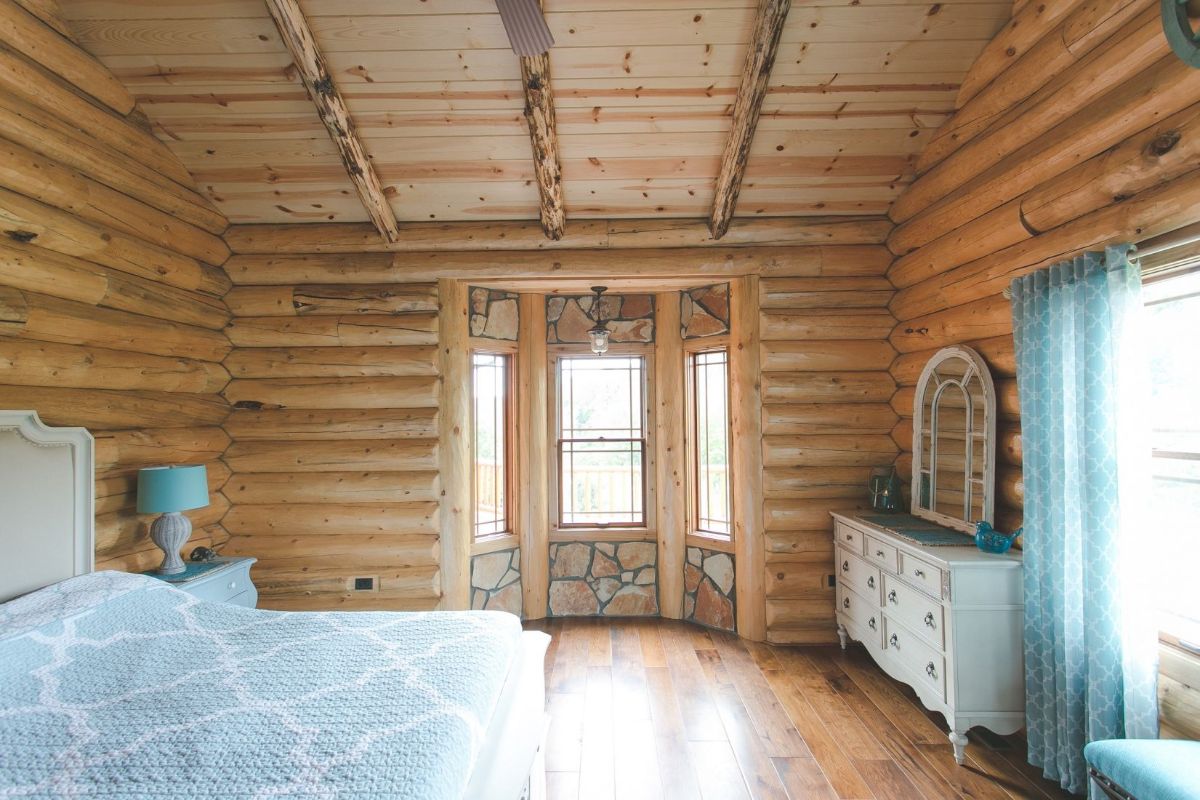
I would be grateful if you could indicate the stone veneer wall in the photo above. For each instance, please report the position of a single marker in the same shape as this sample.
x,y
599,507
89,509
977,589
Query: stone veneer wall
x,y
704,311
603,579
630,317
496,581
708,591
494,314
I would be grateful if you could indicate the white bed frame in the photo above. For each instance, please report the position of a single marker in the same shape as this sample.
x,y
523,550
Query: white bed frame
x,y
47,501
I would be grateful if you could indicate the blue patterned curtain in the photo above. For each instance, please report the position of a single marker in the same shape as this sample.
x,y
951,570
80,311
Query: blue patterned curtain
x,y
1090,640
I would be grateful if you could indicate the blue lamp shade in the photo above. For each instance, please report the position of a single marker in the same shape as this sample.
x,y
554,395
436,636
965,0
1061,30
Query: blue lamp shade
x,y
167,489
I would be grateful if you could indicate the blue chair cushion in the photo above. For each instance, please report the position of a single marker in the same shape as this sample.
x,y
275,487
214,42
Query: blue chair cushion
x,y
1149,769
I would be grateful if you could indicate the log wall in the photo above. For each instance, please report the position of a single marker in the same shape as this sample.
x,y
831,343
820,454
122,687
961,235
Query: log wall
x,y
334,440
110,283
1056,147
825,422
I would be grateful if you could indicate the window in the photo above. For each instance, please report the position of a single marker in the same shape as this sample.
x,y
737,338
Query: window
x,y
490,419
708,411
1172,330
601,441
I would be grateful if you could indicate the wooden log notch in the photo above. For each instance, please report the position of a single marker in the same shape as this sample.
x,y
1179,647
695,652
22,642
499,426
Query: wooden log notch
x,y
543,135
756,74
298,37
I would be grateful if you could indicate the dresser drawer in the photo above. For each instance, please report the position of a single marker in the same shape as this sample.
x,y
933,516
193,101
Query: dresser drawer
x,y
849,538
858,575
913,609
924,575
863,613
926,666
881,553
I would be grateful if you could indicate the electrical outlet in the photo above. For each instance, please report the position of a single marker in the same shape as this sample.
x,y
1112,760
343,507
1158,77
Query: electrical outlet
x,y
364,584
831,581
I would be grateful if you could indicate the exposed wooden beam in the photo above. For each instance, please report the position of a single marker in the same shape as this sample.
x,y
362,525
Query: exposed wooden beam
x,y
587,234
298,37
756,74
539,115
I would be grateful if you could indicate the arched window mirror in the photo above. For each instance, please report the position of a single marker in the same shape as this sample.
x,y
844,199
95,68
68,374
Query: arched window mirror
x,y
954,440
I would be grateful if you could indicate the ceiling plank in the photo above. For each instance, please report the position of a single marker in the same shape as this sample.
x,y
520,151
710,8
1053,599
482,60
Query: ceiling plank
x,y
760,57
543,135
293,27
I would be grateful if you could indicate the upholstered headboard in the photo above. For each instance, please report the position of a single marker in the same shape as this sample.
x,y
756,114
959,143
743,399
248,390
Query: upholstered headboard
x,y
47,488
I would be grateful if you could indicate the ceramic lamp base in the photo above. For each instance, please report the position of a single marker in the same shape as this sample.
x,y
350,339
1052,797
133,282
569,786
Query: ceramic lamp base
x,y
170,533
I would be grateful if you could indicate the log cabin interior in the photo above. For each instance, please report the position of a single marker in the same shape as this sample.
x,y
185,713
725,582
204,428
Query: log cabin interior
x,y
751,398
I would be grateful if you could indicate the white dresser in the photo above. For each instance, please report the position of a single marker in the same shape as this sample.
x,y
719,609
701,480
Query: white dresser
x,y
945,620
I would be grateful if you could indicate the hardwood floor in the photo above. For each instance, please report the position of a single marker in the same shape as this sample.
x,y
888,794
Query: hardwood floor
x,y
660,709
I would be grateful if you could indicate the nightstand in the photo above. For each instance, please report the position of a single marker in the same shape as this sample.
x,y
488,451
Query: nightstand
x,y
223,580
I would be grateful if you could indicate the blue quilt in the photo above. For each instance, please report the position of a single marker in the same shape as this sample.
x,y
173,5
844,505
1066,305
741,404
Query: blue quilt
x,y
119,686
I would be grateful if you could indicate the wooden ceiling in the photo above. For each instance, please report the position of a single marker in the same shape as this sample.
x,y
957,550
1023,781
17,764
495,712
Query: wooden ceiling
x,y
643,91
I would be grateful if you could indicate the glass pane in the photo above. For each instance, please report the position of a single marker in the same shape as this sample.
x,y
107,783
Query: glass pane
x,y
601,397
602,482
710,389
1173,327
950,453
489,382
602,442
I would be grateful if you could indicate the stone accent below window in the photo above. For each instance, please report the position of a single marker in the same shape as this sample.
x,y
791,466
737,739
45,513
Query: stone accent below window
x,y
708,591
611,579
496,581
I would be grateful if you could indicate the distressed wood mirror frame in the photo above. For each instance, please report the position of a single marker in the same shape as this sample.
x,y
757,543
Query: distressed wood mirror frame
x,y
954,419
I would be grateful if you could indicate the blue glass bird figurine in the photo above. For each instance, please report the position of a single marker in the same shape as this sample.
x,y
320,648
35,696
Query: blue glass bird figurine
x,y
990,540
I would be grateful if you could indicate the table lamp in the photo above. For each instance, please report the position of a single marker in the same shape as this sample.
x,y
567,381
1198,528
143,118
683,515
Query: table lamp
x,y
169,491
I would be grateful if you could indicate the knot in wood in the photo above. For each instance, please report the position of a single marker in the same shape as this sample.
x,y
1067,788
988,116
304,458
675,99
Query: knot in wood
x,y
323,85
24,237
1163,144
534,83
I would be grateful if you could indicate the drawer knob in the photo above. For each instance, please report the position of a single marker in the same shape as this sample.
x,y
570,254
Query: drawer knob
x,y
845,566
871,623
879,554
233,584
846,602
894,641
920,573
849,537
892,597
870,581
929,619
931,670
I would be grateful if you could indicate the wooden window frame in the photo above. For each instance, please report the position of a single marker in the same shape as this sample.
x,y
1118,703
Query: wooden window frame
x,y
590,532
499,540
697,537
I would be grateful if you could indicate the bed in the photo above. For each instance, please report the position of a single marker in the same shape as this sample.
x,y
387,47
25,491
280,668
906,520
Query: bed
x,y
119,685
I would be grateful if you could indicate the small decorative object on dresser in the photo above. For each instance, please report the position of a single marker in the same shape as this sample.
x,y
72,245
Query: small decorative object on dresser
x,y
221,580
932,609
170,491
884,486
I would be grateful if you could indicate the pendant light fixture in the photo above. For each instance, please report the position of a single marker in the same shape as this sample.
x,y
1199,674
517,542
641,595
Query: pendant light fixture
x,y
600,333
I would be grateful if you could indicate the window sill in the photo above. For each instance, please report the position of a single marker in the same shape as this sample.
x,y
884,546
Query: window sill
x,y
709,541
603,535
494,543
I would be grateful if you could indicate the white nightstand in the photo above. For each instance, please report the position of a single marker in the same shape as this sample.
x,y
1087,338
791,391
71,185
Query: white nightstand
x,y
224,580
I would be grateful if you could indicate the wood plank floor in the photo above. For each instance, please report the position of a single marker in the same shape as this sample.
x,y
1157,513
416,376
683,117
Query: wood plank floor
x,y
659,709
